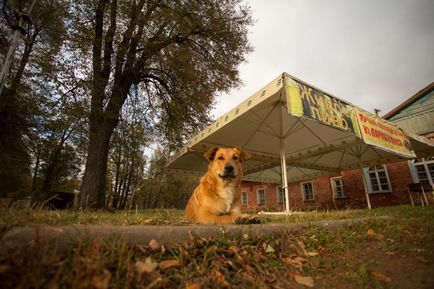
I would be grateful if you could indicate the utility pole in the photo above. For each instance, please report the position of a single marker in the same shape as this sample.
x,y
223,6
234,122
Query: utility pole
x,y
14,43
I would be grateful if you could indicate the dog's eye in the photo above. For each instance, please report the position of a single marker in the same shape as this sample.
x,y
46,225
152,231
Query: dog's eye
x,y
235,158
221,158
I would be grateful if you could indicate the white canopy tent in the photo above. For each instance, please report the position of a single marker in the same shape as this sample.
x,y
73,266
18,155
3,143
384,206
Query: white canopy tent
x,y
290,124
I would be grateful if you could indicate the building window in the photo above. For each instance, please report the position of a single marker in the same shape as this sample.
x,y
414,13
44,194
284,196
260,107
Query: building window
x,y
307,191
337,187
281,198
378,179
424,170
260,196
244,198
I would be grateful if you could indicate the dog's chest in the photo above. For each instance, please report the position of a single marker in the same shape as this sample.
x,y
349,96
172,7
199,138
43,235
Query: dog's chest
x,y
227,195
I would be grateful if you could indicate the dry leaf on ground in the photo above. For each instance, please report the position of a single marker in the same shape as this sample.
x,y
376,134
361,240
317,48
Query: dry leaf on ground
x,y
269,249
192,286
312,254
154,245
295,261
146,267
302,246
304,280
371,232
216,275
381,276
166,264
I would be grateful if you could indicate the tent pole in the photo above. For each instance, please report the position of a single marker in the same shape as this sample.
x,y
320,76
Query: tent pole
x,y
282,150
365,186
284,176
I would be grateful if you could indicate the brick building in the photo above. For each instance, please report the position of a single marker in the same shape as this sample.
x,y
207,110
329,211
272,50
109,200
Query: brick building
x,y
386,184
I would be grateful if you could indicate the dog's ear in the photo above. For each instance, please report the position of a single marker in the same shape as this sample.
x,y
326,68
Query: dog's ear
x,y
244,155
210,154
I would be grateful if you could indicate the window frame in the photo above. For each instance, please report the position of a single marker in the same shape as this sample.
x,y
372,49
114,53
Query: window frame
x,y
367,172
333,186
425,162
242,199
280,190
258,198
303,193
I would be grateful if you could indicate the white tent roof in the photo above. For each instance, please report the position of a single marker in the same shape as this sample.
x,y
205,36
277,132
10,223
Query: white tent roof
x,y
265,125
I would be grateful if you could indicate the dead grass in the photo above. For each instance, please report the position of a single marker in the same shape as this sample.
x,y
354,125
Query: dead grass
x,y
375,254
21,217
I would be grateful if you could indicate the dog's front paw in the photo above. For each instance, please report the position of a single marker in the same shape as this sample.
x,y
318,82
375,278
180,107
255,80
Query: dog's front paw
x,y
245,219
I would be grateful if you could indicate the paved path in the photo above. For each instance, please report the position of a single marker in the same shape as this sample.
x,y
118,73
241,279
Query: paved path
x,y
168,235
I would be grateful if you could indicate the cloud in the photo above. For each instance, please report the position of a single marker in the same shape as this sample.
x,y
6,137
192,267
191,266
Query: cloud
x,y
375,54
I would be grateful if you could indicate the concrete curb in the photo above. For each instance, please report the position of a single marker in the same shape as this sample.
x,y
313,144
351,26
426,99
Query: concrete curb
x,y
62,236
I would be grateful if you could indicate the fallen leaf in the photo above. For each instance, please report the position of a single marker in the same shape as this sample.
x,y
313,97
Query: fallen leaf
x,y
296,262
304,280
312,254
234,249
216,275
145,267
102,281
302,246
231,265
245,236
381,276
192,286
269,249
154,245
166,264
371,232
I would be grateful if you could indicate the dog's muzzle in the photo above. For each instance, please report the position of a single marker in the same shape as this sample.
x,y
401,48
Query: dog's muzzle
x,y
228,172
227,176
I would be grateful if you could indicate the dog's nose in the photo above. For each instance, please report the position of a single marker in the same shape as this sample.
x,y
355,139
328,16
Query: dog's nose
x,y
229,169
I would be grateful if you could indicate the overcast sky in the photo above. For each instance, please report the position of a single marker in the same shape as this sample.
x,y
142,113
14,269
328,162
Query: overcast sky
x,y
372,53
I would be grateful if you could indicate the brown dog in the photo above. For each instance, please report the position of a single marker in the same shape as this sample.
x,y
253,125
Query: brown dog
x,y
217,198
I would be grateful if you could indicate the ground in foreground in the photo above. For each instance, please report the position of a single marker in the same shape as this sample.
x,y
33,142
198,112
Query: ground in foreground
x,y
379,253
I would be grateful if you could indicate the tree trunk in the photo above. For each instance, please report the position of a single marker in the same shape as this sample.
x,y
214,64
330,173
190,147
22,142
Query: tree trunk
x,y
94,185
35,194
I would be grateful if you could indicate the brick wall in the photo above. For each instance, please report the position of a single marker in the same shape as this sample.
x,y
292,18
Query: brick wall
x,y
399,176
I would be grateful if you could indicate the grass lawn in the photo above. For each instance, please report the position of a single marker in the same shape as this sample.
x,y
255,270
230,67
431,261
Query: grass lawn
x,y
377,253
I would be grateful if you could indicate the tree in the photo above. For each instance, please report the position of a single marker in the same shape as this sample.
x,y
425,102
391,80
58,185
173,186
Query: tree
x,y
55,145
162,189
43,32
177,54
127,159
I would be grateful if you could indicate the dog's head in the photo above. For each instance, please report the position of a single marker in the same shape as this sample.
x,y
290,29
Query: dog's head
x,y
226,163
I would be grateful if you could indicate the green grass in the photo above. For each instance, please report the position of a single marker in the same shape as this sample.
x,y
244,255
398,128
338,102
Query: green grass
x,y
20,217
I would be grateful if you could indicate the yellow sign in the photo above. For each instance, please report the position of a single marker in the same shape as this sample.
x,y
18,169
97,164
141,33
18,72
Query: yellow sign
x,y
378,132
306,101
